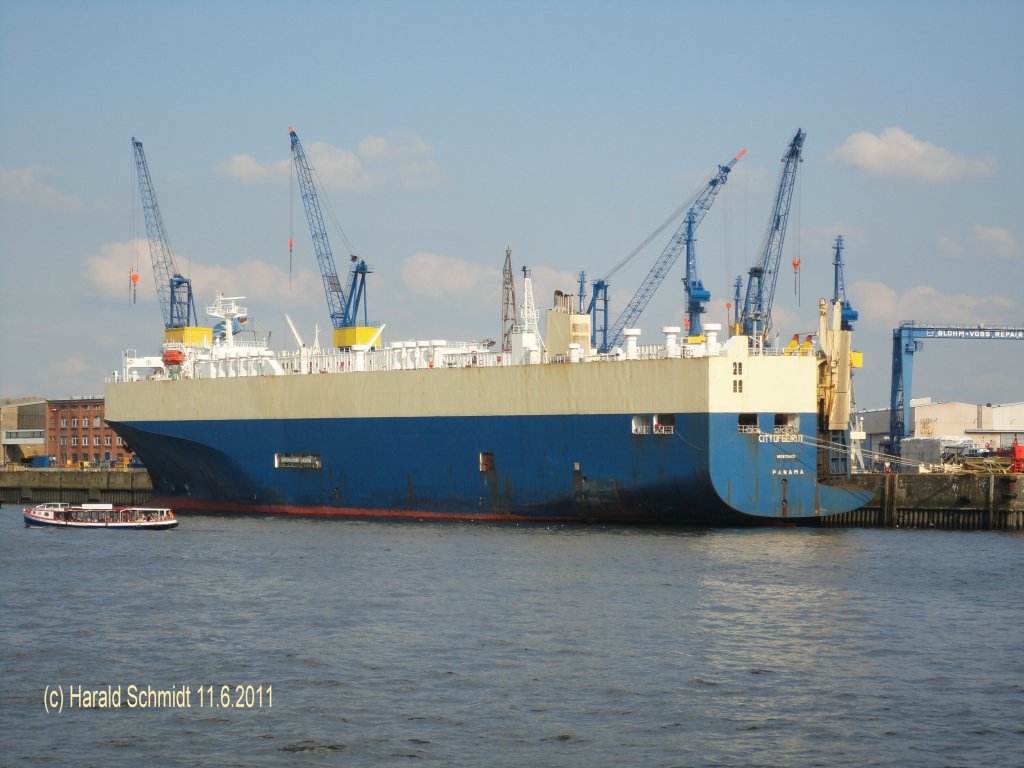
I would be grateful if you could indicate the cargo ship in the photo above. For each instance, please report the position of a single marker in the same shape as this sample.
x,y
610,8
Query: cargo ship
x,y
704,430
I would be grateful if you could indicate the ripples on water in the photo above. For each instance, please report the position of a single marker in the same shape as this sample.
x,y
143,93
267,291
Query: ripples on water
x,y
463,645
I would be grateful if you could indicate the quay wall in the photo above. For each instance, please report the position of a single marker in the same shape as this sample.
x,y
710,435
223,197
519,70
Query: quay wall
x,y
76,486
966,501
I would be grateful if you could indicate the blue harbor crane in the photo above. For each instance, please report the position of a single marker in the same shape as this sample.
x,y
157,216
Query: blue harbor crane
x,y
906,340
848,315
172,288
762,278
344,307
697,295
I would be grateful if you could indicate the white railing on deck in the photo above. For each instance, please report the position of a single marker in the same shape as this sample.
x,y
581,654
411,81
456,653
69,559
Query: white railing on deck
x,y
254,359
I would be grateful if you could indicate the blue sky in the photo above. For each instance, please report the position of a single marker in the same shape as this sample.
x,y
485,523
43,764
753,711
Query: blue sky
x,y
446,131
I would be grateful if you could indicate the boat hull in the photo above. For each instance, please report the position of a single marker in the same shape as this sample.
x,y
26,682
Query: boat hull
x,y
535,468
668,441
32,521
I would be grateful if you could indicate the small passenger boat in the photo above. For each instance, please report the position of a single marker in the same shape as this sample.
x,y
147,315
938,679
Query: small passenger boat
x,y
63,515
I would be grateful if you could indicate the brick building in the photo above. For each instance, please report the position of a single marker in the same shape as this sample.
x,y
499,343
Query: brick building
x,y
77,434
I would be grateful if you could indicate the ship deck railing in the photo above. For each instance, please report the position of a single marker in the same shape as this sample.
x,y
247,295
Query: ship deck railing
x,y
253,358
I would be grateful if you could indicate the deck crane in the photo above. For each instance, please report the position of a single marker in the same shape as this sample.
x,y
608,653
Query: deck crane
x,y
172,288
697,296
849,315
344,308
756,318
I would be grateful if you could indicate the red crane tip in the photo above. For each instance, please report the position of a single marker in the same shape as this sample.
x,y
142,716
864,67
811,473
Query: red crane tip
x,y
742,153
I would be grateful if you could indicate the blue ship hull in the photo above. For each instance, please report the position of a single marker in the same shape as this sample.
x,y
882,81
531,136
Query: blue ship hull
x,y
575,468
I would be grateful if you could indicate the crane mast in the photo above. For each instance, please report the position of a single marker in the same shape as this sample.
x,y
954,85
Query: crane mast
x,y
344,308
172,288
697,295
849,314
763,277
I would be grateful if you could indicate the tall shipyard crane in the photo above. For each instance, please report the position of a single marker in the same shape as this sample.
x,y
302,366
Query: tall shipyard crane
x,y
697,296
344,307
172,288
756,317
849,315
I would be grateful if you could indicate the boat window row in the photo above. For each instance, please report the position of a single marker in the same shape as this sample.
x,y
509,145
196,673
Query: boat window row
x,y
654,424
782,424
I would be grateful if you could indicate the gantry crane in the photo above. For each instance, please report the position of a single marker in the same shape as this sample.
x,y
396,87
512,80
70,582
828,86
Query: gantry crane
x,y
172,288
344,307
697,296
906,340
756,318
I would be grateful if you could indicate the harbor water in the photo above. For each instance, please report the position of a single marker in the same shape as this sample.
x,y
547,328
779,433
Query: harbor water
x,y
265,641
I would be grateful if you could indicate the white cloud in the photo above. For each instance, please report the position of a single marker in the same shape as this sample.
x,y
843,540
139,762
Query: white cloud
x,y
882,307
431,274
951,246
379,148
894,152
997,241
249,170
257,281
77,377
338,168
405,162
25,186
109,273
72,366
980,242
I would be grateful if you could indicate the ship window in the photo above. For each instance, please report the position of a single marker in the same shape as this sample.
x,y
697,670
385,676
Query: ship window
x,y
486,461
665,424
641,425
737,385
787,423
737,369
747,422
296,461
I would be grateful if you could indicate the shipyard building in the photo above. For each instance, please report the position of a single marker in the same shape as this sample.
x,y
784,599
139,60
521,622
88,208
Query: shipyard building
x,y
70,432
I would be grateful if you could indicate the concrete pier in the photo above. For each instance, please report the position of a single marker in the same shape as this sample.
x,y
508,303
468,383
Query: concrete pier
x,y
965,502
76,486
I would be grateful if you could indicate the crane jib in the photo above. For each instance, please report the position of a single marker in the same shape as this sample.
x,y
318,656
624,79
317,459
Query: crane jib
x,y
173,289
683,238
343,306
